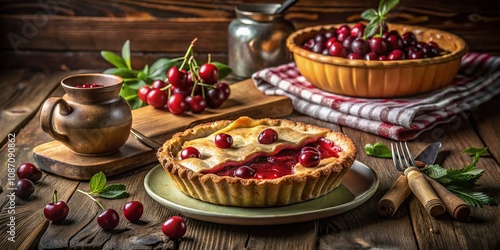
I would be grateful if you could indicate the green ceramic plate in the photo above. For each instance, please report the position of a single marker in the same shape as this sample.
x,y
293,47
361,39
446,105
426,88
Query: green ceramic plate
x,y
358,185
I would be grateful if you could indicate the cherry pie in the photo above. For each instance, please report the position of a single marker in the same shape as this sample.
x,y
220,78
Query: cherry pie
x,y
257,163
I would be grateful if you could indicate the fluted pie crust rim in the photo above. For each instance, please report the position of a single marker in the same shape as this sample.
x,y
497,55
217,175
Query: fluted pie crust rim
x,y
234,191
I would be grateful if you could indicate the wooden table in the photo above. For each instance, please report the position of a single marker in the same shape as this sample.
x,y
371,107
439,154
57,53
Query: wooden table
x,y
23,91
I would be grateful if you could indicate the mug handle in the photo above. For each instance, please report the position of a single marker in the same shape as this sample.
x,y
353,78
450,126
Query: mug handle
x,y
47,114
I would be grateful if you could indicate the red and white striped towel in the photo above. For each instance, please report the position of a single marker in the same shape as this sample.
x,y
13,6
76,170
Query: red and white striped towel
x,y
399,118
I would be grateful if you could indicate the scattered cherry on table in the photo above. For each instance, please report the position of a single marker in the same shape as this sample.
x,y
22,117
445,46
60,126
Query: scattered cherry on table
x,y
174,227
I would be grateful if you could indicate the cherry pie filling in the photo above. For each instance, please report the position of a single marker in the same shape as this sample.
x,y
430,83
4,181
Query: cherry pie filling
x,y
280,163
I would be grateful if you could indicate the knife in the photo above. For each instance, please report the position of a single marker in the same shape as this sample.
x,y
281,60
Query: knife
x,y
400,190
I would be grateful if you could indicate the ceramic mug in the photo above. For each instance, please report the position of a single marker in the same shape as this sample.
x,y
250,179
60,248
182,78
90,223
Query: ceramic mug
x,y
89,121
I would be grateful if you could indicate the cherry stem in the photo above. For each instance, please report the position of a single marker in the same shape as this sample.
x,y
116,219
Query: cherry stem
x,y
188,52
54,196
92,198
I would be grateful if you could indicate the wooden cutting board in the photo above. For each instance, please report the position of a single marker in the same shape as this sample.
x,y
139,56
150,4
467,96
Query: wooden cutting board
x,y
245,100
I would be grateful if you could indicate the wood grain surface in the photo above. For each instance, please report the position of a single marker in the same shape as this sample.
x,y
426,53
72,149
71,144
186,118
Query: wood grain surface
x,y
410,228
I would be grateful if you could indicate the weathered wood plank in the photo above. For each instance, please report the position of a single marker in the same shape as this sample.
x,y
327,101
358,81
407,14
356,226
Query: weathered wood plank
x,y
487,120
29,220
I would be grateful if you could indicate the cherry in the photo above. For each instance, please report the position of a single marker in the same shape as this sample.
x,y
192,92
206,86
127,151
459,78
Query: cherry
x,y
268,136
358,30
223,140
331,33
29,171
359,46
429,51
382,58
371,56
215,97
109,219
344,29
318,47
183,91
342,36
353,56
177,77
396,55
409,39
24,188
378,45
225,88
394,42
337,50
330,41
196,103
176,104
158,84
433,44
209,73
244,172
310,158
190,152
143,93
174,227
320,38
56,211
347,42
157,98
133,211
415,54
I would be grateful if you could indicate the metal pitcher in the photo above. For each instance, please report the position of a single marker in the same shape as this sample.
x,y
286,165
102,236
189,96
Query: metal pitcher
x,y
256,39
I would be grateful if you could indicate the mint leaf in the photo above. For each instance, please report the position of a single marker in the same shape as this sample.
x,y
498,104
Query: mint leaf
x,y
434,171
378,150
114,191
114,59
475,199
371,28
126,54
97,183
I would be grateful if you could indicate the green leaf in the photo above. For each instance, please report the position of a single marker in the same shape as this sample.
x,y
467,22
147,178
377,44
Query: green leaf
x,y
371,28
386,6
434,171
475,199
136,103
126,54
369,14
114,187
114,59
378,150
113,194
121,72
159,68
224,70
97,183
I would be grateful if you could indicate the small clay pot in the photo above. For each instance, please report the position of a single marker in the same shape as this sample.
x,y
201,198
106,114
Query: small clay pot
x,y
89,121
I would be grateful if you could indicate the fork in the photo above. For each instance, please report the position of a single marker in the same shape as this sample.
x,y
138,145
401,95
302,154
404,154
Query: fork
x,y
403,161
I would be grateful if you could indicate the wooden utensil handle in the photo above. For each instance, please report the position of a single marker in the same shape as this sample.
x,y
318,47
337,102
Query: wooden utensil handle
x,y
455,206
424,192
391,201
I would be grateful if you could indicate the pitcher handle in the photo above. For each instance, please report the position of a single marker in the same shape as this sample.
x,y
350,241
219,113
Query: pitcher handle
x,y
47,116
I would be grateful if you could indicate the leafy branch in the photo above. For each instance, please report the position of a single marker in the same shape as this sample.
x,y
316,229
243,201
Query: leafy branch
x,y
377,17
134,79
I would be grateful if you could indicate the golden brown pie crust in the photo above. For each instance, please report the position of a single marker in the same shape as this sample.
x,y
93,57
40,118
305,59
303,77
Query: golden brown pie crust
x,y
304,185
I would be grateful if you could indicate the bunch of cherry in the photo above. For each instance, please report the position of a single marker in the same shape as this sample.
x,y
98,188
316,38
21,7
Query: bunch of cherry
x,y
309,156
192,89
351,43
